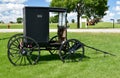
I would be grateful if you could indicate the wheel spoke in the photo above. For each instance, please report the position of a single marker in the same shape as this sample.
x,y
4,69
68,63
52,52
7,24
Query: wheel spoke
x,y
64,56
14,48
16,42
13,38
21,60
25,60
17,59
15,45
28,58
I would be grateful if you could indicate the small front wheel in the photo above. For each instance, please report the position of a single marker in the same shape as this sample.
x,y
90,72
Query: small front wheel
x,y
71,50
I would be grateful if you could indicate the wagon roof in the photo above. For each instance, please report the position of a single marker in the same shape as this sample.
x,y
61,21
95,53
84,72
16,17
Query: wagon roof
x,y
51,9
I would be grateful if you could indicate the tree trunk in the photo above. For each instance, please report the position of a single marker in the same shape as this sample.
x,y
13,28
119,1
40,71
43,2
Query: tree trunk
x,y
78,20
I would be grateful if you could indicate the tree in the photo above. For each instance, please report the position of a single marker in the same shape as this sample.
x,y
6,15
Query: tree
x,y
19,20
2,21
90,8
11,22
96,8
69,4
118,21
73,20
54,19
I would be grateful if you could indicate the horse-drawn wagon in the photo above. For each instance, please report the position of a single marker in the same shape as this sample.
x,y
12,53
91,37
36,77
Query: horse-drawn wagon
x,y
24,49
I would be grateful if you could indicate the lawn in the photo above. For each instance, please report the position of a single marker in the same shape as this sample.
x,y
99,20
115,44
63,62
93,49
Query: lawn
x,y
95,65
100,25
71,26
12,26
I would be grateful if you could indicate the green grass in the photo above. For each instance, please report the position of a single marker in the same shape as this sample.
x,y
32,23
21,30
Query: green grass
x,y
12,26
104,25
71,26
96,66
100,25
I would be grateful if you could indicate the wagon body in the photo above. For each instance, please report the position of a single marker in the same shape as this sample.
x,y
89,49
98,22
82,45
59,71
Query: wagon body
x,y
36,23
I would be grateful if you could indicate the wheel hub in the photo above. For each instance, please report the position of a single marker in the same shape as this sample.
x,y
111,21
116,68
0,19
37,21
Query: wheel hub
x,y
72,51
24,52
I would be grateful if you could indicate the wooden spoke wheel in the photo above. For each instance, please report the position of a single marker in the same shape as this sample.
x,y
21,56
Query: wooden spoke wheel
x,y
23,51
53,50
71,50
13,38
54,39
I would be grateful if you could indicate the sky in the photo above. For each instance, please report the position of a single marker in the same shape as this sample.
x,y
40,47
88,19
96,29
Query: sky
x,y
113,11
12,9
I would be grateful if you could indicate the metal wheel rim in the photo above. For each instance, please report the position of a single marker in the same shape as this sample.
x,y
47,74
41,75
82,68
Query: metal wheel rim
x,y
67,52
20,55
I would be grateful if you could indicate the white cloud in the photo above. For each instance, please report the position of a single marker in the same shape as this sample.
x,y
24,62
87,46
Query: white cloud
x,y
13,1
107,12
10,6
72,15
109,16
118,13
117,8
113,12
10,10
48,0
118,2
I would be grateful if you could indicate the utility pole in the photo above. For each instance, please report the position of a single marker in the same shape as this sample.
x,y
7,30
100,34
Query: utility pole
x,y
113,22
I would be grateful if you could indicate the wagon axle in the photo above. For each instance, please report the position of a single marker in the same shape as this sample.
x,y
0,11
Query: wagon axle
x,y
24,52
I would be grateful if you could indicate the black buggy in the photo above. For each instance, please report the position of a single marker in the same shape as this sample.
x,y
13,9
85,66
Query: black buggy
x,y
24,49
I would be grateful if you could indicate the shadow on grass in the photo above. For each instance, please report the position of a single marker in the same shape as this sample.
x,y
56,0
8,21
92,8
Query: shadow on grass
x,y
49,57
57,57
4,38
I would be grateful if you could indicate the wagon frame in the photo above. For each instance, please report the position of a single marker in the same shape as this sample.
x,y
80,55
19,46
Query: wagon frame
x,y
24,49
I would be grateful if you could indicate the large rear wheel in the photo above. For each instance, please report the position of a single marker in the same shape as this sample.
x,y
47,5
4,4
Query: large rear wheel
x,y
23,51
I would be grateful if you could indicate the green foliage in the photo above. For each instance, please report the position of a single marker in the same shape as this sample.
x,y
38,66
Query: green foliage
x,y
19,20
118,21
90,8
96,8
2,21
11,22
73,20
54,19
69,4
